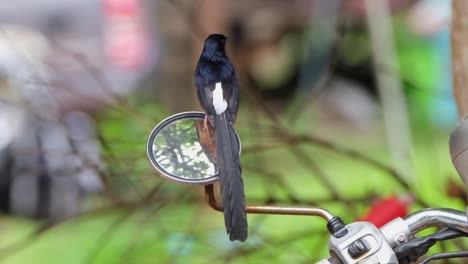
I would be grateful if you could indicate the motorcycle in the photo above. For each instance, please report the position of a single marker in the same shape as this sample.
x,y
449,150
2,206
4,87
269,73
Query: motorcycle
x,y
177,151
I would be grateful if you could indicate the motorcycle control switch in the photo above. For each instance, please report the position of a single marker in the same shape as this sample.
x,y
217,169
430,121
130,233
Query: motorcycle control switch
x,y
358,248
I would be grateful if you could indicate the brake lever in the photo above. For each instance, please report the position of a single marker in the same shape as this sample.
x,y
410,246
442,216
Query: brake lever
x,y
412,250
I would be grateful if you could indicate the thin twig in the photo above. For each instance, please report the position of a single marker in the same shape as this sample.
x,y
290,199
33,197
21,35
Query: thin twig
x,y
308,139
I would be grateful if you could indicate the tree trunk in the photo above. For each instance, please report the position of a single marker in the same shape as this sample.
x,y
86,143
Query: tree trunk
x,y
460,54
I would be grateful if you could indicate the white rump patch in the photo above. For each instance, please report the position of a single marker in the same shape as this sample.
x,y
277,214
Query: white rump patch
x,y
220,105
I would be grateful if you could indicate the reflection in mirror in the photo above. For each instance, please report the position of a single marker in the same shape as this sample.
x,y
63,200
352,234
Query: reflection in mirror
x,y
182,150
177,150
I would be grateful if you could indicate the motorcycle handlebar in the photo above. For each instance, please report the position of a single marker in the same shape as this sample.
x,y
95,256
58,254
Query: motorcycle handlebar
x,y
393,234
436,217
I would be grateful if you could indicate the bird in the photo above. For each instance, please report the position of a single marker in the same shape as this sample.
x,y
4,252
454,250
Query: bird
x,y
218,94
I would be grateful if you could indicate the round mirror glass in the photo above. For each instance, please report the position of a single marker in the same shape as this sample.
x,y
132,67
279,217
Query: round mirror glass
x,y
179,149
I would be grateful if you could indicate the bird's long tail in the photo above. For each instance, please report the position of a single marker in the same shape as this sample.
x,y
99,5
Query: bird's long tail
x,y
230,175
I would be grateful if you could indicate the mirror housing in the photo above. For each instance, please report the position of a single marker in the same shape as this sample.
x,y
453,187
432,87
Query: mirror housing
x,y
178,148
458,145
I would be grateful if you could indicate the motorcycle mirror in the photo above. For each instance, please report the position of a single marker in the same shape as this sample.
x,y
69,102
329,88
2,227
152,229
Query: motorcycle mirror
x,y
458,144
179,149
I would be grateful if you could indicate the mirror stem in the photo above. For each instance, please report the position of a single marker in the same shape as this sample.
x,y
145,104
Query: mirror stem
x,y
269,209
210,198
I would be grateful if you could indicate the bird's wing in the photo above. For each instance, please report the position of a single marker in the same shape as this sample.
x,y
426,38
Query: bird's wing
x,y
232,97
205,95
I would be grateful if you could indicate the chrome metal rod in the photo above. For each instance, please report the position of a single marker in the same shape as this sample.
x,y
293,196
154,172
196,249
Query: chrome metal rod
x,y
436,217
269,209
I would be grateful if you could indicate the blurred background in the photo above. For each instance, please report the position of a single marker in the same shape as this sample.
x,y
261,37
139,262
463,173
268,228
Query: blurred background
x,y
346,105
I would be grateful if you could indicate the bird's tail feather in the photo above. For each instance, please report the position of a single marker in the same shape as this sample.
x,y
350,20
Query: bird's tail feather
x,y
230,176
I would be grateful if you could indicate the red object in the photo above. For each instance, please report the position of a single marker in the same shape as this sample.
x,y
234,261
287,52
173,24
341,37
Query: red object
x,y
386,210
126,47
121,7
126,42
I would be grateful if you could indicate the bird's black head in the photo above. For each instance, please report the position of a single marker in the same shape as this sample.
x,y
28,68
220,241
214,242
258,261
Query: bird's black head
x,y
214,46
214,39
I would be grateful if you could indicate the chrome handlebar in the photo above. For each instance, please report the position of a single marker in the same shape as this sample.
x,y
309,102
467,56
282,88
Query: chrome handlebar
x,y
437,217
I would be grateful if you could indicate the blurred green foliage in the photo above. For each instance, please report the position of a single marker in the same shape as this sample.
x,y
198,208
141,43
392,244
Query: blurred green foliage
x,y
186,230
